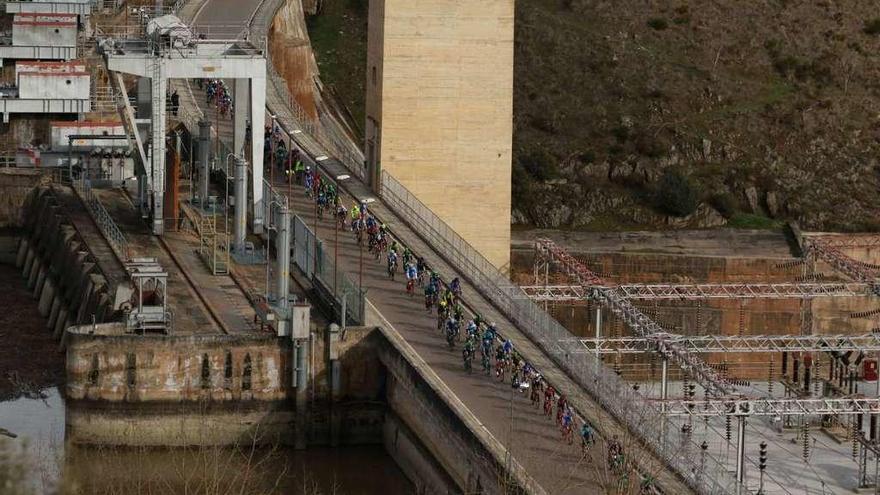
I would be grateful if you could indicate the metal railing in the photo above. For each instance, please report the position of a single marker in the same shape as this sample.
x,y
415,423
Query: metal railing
x,y
103,219
640,416
328,136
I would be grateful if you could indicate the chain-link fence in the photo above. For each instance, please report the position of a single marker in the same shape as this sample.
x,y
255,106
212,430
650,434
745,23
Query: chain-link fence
x,y
702,472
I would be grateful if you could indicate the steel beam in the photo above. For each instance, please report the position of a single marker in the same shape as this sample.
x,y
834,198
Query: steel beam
x,y
848,241
724,343
692,292
771,407
639,323
852,268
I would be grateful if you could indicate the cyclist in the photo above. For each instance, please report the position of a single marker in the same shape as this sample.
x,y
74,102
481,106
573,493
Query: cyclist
x,y
567,425
586,435
411,275
430,293
485,361
472,330
455,287
468,354
423,270
549,396
407,256
392,264
310,181
451,331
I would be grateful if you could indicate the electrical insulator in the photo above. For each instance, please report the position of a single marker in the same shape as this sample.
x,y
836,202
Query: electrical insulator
x,y
727,429
762,456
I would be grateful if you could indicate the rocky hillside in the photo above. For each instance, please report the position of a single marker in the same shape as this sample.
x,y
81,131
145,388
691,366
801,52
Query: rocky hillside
x,y
634,113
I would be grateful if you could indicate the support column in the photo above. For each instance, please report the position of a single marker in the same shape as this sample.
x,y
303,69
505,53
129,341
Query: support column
x,y
598,335
740,453
282,248
300,340
159,87
240,225
242,92
204,161
258,120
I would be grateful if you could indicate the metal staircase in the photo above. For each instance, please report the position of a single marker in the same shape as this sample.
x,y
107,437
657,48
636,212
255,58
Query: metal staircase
x,y
213,245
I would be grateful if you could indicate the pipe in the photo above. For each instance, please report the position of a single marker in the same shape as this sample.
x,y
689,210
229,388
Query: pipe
x,y
282,248
239,229
204,157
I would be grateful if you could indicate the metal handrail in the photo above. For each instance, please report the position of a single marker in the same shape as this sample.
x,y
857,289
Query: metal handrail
x,y
103,220
326,135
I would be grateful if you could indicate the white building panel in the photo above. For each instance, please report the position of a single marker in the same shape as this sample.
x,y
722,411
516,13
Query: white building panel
x,y
44,30
61,131
69,86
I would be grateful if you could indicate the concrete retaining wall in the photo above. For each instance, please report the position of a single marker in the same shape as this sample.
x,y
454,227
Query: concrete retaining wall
x,y
463,448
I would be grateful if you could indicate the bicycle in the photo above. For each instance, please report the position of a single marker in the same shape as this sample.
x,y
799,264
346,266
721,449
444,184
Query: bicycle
x,y
468,356
411,287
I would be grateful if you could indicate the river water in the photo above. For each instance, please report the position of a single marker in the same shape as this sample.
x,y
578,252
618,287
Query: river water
x,y
38,461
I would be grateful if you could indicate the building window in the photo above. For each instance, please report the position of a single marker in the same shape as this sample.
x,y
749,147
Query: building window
x,y
206,371
131,369
227,371
246,373
94,372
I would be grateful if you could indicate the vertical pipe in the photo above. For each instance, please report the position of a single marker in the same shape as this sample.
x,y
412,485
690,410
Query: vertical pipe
x,y
598,335
204,159
282,246
240,227
807,363
784,364
796,368
740,453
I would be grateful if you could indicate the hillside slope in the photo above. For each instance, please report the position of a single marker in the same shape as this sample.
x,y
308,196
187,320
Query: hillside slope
x,y
633,113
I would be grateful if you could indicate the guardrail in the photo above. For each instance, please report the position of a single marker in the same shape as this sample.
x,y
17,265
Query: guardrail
x,y
103,219
327,136
704,474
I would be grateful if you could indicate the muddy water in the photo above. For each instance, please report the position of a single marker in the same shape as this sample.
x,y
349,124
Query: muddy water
x,y
37,461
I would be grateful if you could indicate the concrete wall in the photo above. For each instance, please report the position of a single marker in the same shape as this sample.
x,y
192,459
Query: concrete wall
x,y
44,30
462,447
440,114
74,86
116,367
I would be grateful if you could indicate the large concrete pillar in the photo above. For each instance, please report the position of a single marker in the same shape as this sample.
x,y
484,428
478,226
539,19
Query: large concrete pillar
x,y
204,160
282,246
240,224
242,111
258,119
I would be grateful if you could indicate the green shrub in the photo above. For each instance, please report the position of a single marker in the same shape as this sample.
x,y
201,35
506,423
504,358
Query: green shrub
x,y
872,27
658,23
540,164
750,221
676,194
